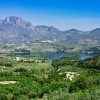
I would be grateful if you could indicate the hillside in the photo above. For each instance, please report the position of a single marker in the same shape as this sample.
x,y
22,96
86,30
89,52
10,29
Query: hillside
x,y
92,63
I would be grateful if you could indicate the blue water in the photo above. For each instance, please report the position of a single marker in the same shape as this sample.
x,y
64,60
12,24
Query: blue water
x,y
62,54
85,56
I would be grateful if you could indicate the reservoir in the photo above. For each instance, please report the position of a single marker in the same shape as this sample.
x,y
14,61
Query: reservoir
x,y
62,54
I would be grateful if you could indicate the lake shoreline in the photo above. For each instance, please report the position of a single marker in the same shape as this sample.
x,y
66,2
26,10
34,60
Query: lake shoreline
x,y
61,54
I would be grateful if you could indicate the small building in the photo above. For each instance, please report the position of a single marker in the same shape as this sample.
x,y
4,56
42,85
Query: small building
x,y
71,75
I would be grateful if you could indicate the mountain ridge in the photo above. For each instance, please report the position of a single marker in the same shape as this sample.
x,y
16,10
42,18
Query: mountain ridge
x,y
17,29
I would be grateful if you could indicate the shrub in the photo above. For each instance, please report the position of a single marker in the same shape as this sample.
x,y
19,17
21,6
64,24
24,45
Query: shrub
x,y
21,70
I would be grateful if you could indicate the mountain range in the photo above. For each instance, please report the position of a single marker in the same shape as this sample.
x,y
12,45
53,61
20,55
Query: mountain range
x,y
15,29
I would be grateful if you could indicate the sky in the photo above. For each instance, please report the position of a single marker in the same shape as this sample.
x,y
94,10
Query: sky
x,y
62,14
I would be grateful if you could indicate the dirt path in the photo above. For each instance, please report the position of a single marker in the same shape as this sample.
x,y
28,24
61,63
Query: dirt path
x,y
7,82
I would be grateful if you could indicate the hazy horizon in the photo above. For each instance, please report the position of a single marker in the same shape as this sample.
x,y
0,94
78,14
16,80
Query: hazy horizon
x,y
62,14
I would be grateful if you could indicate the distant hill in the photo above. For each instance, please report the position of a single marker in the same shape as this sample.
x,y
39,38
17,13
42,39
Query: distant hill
x,y
15,29
92,63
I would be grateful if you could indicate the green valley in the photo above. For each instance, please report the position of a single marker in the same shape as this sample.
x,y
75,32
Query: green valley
x,y
38,79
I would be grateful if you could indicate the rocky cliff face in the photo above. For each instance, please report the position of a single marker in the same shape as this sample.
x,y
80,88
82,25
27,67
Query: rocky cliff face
x,y
17,21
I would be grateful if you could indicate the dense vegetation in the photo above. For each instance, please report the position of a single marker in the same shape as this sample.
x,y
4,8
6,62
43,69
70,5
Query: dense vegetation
x,y
36,80
90,63
67,60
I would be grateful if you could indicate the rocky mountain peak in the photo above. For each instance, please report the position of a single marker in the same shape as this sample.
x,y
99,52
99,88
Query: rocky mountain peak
x,y
17,21
73,30
13,20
